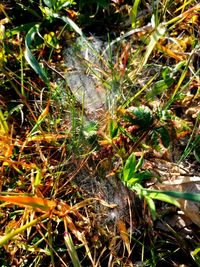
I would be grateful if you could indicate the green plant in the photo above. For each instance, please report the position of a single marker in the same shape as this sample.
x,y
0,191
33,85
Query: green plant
x,y
132,173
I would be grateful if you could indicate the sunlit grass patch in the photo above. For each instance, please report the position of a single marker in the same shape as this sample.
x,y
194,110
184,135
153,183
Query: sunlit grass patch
x,y
99,169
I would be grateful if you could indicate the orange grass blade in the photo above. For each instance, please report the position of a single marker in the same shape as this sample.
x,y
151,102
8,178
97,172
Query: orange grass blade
x,y
44,112
170,53
47,137
40,204
124,235
17,163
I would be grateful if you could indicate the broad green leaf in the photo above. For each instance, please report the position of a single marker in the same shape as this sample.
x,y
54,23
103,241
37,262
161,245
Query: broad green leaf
x,y
56,5
143,175
141,116
50,3
113,128
159,88
164,135
165,73
138,178
29,56
62,4
140,163
165,198
129,168
162,85
131,182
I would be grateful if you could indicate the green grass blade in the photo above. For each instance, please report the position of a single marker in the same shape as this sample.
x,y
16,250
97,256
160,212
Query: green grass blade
x,y
129,167
71,249
163,197
154,38
69,22
3,123
29,56
130,100
156,194
191,145
184,195
152,206
134,12
8,237
22,28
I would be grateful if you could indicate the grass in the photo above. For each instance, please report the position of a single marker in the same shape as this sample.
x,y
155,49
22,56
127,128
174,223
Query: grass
x,y
106,189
